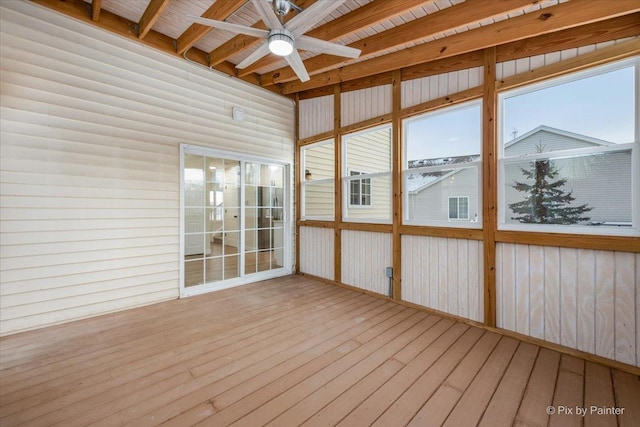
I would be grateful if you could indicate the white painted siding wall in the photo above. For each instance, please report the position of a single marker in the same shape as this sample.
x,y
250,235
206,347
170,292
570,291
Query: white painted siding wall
x,y
365,256
316,116
364,104
425,89
444,274
583,299
91,127
317,251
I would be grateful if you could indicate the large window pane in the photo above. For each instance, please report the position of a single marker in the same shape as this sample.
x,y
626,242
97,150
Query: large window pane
x,y
317,178
441,183
566,153
367,175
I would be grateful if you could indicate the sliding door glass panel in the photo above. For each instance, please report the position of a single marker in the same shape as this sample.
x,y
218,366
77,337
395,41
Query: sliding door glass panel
x,y
264,194
232,227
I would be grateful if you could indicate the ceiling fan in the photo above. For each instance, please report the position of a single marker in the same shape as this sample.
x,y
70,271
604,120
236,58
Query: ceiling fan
x,y
283,39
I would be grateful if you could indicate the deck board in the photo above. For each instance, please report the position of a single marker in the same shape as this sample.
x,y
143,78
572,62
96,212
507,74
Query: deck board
x,y
294,351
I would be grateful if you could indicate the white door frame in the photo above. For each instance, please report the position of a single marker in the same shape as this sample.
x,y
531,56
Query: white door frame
x,y
287,209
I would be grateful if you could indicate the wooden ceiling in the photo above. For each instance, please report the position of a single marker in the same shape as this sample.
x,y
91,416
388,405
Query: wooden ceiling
x,y
392,34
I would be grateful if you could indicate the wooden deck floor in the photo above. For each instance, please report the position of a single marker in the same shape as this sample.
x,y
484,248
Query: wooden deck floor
x,y
294,351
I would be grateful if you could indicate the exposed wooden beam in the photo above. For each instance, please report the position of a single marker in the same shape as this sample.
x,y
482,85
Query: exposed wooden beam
x,y
349,23
578,241
548,20
220,10
96,5
241,41
150,16
598,32
428,26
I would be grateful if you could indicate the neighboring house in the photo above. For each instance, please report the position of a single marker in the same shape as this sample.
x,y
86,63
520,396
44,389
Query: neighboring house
x,y
602,181
449,195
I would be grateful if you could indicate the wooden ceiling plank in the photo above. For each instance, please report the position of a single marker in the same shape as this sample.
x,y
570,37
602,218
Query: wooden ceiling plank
x,y
361,18
241,41
469,12
150,16
548,20
219,10
96,5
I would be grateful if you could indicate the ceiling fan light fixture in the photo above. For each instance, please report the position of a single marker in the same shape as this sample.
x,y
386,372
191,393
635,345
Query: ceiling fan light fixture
x,y
280,42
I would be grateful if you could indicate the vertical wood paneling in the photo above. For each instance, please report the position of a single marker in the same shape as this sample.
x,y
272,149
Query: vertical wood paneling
x,y
605,306
365,256
536,291
316,251
316,116
624,290
586,330
522,290
523,65
551,291
443,274
580,298
568,295
425,89
363,104
89,163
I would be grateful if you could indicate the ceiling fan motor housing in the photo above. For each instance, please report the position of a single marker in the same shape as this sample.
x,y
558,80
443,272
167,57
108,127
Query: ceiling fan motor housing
x,y
281,42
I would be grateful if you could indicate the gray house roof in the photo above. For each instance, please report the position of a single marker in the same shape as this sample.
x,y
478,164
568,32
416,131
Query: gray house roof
x,y
561,132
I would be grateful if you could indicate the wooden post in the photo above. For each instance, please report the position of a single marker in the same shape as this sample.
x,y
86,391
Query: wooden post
x,y
337,144
489,184
296,182
396,173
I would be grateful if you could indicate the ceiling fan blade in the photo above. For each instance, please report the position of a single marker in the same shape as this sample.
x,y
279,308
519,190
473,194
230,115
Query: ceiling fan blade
x,y
323,46
312,15
267,14
234,28
297,65
260,52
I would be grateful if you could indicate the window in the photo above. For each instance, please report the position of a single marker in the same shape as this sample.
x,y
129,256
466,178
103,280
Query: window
x,y
569,153
359,190
317,180
366,176
442,161
458,207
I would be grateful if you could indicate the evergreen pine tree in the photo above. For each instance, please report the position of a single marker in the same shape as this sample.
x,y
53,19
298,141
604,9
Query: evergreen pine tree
x,y
546,202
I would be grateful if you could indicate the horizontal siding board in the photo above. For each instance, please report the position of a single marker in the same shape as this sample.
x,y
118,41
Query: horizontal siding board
x,y
90,277
89,192
84,311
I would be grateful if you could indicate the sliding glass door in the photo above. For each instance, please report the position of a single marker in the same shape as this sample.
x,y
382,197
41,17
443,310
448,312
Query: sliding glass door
x,y
233,220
